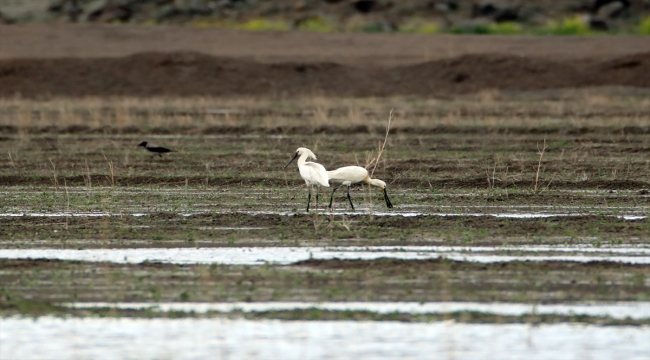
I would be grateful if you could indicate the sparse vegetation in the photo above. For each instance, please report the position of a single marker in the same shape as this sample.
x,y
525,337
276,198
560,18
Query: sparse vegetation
x,y
644,26
568,26
224,187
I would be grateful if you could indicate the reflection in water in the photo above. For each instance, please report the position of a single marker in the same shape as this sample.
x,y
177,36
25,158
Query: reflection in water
x,y
217,338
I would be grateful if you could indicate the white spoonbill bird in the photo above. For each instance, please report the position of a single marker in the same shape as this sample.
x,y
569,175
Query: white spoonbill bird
x,y
313,173
349,175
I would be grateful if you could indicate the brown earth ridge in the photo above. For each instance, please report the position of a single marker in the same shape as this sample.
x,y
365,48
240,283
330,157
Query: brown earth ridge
x,y
197,74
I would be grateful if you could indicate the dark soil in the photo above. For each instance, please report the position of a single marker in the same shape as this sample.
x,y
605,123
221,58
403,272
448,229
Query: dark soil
x,y
189,74
173,230
9,129
397,266
383,280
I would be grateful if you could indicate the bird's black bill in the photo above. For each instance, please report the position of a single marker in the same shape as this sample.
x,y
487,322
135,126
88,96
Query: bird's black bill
x,y
292,159
388,203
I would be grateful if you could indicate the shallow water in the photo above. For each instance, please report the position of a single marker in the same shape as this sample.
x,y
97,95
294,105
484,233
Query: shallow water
x,y
127,338
288,255
620,310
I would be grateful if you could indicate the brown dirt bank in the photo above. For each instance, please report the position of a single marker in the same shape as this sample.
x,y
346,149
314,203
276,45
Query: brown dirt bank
x,y
190,74
96,41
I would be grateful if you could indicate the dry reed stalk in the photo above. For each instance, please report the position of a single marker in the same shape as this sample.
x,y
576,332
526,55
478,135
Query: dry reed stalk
x,y
11,160
121,116
111,168
491,181
67,206
539,165
320,117
54,175
89,183
382,146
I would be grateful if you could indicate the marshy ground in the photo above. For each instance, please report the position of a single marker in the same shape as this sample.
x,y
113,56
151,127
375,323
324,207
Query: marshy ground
x,y
462,172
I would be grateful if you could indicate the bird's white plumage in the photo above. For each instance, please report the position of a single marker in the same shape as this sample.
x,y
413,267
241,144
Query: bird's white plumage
x,y
348,175
313,173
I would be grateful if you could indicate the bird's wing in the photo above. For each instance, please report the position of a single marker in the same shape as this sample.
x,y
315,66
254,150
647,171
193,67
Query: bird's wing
x,y
317,173
353,174
160,149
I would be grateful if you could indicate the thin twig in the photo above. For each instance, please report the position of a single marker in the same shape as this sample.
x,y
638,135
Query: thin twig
x,y
56,182
381,148
539,165
11,160
110,167
67,206
90,184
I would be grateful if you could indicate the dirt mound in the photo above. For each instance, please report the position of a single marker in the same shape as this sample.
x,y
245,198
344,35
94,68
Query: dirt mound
x,y
189,73
472,73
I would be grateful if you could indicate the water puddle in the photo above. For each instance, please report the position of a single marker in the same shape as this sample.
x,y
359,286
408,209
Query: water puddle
x,y
220,338
622,310
61,214
289,255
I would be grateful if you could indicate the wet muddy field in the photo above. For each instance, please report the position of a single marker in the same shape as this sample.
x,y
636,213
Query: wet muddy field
x,y
518,167
520,200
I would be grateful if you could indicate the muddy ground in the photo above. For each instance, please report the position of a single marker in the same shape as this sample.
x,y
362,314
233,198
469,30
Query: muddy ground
x,y
122,61
469,144
320,280
195,74
224,186
385,50
209,230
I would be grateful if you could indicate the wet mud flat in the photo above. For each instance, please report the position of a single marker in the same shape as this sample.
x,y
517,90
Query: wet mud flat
x,y
569,226
30,285
502,158
170,230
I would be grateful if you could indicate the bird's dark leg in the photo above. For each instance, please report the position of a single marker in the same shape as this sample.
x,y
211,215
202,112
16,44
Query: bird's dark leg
x,y
308,197
349,198
388,203
331,197
317,194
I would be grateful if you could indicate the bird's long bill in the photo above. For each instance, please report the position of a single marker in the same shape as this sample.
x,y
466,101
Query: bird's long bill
x,y
292,159
388,203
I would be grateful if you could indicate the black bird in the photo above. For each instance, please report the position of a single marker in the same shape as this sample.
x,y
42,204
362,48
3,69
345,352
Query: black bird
x,y
153,149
